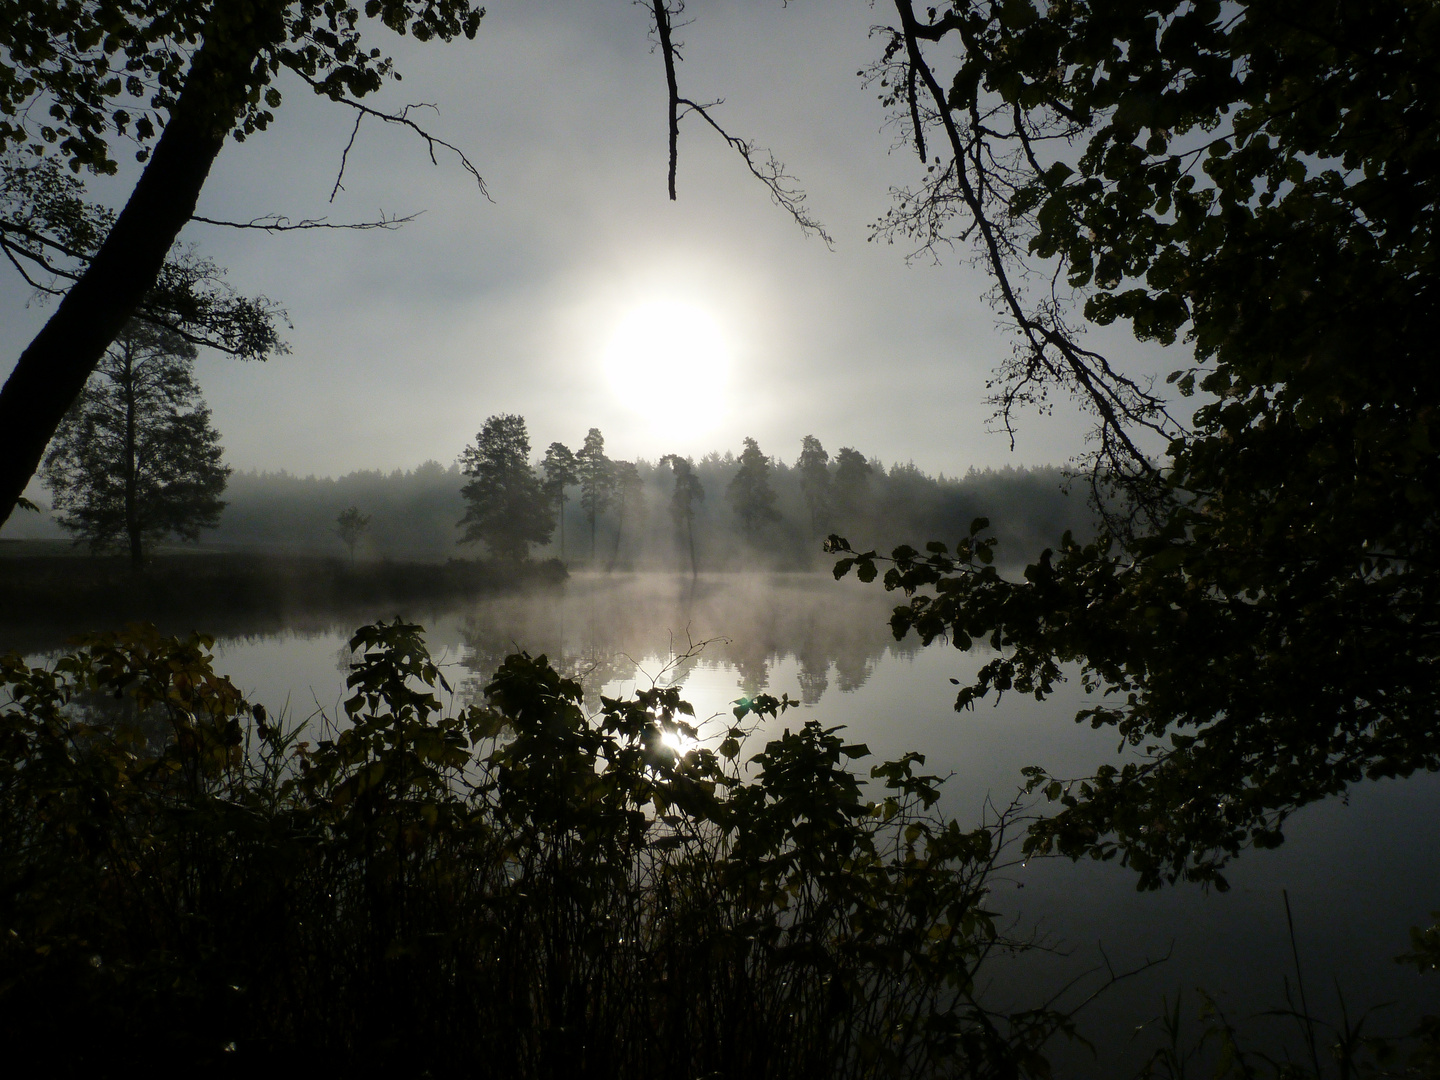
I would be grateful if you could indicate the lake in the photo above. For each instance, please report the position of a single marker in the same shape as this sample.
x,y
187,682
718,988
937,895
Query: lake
x,y
1358,872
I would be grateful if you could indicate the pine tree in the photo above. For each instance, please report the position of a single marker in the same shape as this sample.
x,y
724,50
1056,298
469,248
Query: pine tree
x,y
561,471
688,491
136,458
851,486
750,492
595,481
629,495
814,480
508,508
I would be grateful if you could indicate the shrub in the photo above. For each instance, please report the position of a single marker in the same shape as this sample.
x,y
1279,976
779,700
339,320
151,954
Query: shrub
x,y
513,889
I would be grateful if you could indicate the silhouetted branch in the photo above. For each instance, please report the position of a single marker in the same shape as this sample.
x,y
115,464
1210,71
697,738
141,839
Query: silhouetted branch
x,y
667,50
401,118
784,188
1048,353
762,163
280,223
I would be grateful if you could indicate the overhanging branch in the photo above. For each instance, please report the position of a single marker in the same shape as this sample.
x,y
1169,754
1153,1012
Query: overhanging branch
x,y
402,118
762,163
278,223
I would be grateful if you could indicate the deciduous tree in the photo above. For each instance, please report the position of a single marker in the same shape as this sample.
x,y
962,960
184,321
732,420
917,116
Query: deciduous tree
x,y
350,526
136,457
508,508
175,79
1259,621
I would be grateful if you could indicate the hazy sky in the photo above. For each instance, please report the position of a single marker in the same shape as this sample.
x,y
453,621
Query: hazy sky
x,y
404,342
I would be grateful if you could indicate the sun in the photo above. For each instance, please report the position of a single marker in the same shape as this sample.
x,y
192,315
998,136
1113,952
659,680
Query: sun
x,y
668,361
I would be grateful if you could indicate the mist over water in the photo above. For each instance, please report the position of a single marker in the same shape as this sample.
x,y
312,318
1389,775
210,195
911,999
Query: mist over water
x,y
1357,876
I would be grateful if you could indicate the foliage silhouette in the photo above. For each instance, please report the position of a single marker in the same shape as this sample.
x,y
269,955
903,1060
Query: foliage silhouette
x,y
750,492
137,458
517,889
178,79
1258,613
507,504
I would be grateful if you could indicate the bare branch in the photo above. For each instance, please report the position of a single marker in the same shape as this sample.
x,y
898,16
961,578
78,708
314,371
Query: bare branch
x,y
784,188
762,163
345,156
402,118
276,223
667,50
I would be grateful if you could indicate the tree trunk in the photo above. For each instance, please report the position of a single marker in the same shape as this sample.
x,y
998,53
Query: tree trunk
x,y
619,531
53,369
690,532
132,512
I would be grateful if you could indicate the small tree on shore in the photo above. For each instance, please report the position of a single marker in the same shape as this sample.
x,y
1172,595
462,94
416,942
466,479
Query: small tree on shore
x,y
137,458
507,505
349,527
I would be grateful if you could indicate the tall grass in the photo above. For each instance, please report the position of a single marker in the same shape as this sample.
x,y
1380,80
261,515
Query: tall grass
x,y
516,889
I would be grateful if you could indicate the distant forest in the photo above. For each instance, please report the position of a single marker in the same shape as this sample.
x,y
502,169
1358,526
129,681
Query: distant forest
x,y
413,515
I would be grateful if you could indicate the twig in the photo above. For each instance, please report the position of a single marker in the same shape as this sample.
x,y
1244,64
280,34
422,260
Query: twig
x,y
401,118
783,187
280,223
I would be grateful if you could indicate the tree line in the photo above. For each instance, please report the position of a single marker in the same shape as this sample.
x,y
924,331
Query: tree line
x,y
640,514
138,460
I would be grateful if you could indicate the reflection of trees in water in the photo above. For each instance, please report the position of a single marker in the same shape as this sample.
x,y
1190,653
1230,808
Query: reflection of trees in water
x,y
814,678
851,670
604,629
148,731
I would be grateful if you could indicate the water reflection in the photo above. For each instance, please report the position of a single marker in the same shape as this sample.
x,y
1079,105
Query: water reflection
x,y
603,630
1359,871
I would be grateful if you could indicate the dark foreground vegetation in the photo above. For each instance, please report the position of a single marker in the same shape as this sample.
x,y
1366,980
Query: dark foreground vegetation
x,y
514,890
47,599
511,889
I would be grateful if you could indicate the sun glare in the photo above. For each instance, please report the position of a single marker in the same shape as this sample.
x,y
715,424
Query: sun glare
x,y
669,362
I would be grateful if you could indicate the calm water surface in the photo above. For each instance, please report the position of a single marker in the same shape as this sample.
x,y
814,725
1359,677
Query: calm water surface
x,y
1358,873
